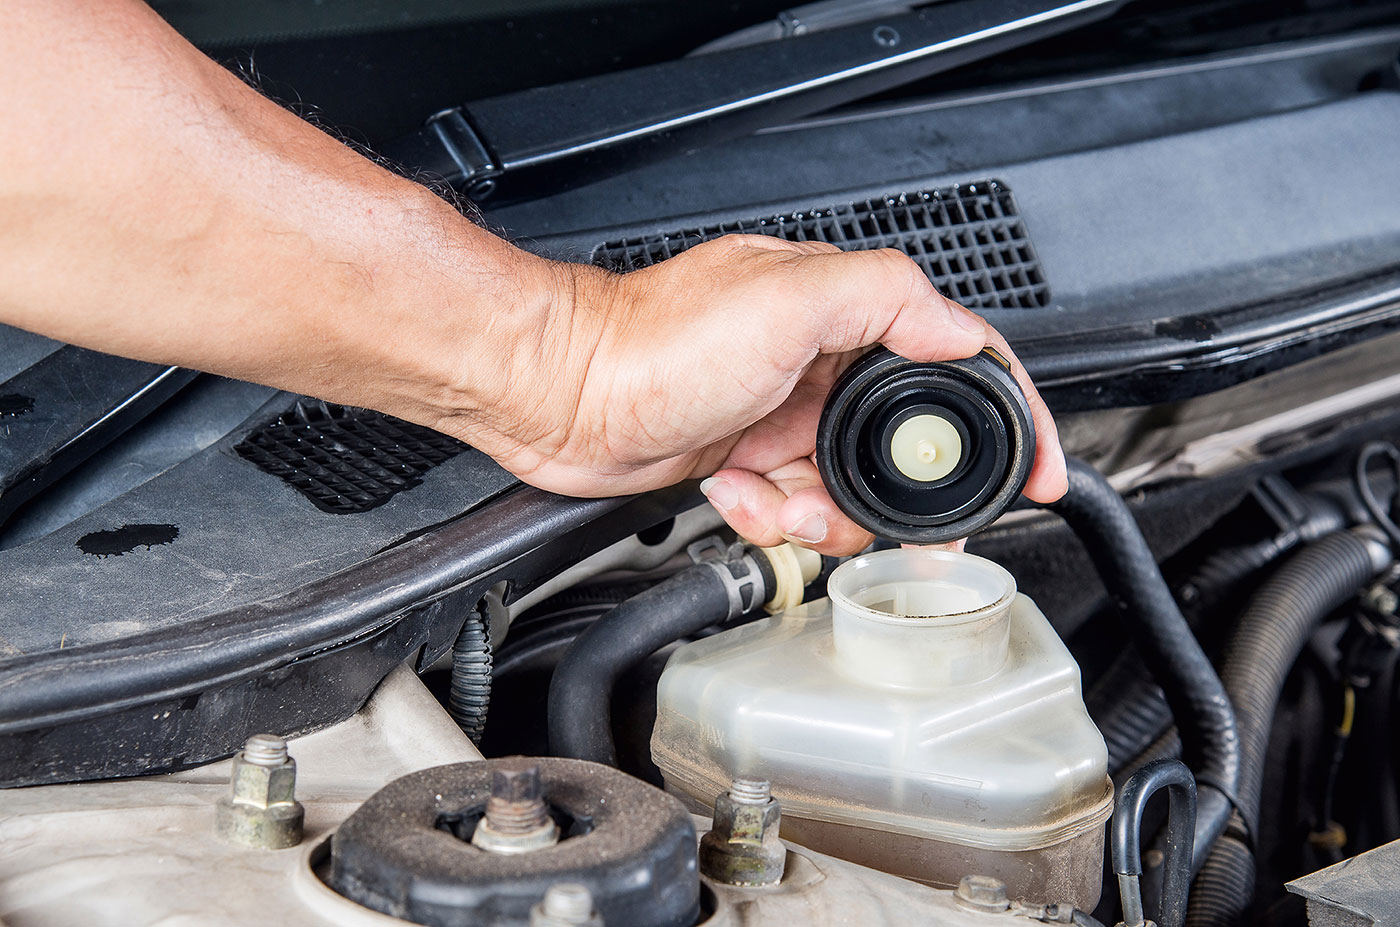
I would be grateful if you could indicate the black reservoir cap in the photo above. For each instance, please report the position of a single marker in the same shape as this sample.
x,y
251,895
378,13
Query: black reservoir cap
x,y
925,453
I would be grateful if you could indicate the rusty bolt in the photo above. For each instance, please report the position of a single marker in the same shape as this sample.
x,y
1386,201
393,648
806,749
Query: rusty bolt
x,y
516,819
261,809
742,847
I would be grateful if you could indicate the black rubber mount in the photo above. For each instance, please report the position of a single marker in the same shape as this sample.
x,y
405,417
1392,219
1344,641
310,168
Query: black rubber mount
x,y
406,851
877,394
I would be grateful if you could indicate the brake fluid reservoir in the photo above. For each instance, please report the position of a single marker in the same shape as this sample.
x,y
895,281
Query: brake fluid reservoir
x,y
925,720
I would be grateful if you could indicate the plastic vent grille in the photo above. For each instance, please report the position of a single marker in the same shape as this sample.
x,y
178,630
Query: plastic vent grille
x,y
343,459
968,238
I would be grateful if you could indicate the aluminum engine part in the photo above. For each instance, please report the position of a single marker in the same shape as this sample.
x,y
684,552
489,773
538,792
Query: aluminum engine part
x,y
112,854
143,851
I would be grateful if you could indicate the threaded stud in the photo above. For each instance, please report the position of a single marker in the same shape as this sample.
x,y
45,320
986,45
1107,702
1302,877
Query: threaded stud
x,y
516,818
265,750
568,902
516,805
746,791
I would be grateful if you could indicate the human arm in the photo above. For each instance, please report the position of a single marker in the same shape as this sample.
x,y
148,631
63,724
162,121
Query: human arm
x,y
153,205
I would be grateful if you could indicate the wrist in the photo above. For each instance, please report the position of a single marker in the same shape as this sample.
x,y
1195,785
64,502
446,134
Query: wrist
x,y
512,384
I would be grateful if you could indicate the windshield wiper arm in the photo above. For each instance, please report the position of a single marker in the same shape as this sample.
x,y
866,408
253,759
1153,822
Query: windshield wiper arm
x,y
533,142
810,17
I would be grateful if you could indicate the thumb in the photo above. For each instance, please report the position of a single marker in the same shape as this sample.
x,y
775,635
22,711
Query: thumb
x,y
870,297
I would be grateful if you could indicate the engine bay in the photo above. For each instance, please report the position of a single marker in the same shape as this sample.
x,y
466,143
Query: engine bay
x,y
265,657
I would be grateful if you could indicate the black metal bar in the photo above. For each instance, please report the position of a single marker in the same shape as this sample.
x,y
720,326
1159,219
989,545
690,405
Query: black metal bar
x,y
522,145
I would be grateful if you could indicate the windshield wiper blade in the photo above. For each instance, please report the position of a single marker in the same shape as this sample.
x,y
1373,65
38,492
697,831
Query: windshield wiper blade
x,y
534,142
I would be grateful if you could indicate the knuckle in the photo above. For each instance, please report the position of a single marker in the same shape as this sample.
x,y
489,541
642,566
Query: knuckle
x,y
895,260
739,241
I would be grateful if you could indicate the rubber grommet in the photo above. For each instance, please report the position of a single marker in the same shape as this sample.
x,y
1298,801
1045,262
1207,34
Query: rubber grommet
x,y
407,851
978,395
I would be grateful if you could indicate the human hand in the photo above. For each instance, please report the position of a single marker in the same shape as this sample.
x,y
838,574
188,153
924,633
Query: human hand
x,y
716,364
252,245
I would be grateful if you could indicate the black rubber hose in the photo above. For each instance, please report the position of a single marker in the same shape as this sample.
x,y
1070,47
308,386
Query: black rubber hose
x,y
1136,712
1180,833
1223,570
1129,572
470,694
1221,573
1281,617
580,693
1129,709
1224,887
1167,746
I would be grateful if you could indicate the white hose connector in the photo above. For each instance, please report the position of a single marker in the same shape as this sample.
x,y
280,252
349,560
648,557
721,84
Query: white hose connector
x,y
794,568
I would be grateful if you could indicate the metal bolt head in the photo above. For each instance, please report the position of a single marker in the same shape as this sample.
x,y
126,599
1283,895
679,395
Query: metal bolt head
x,y
516,781
1382,599
261,809
517,818
481,189
742,847
886,36
566,904
982,893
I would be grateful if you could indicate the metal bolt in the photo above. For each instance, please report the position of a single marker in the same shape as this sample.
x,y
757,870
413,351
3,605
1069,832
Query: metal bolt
x,y
481,189
742,847
982,893
566,904
1382,599
265,750
886,36
261,809
516,819
516,805
750,791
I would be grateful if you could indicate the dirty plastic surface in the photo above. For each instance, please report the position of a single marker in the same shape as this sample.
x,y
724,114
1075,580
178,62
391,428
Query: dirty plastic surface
x,y
925,698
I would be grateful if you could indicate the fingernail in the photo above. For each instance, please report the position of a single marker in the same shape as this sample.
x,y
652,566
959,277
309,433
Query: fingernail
x,y
810,529
721,493
966,320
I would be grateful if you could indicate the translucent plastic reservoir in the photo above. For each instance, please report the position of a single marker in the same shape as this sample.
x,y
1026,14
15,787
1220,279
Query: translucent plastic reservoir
x,y
925,720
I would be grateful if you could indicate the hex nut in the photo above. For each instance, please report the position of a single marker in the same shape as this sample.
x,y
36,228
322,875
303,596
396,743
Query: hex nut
x,y
261,810
982,893
742,847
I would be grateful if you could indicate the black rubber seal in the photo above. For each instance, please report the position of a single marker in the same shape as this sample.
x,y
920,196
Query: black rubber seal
x,y
881,391
406,852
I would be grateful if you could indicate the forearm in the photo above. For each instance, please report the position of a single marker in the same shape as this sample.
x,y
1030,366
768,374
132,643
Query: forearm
x,y
152,205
